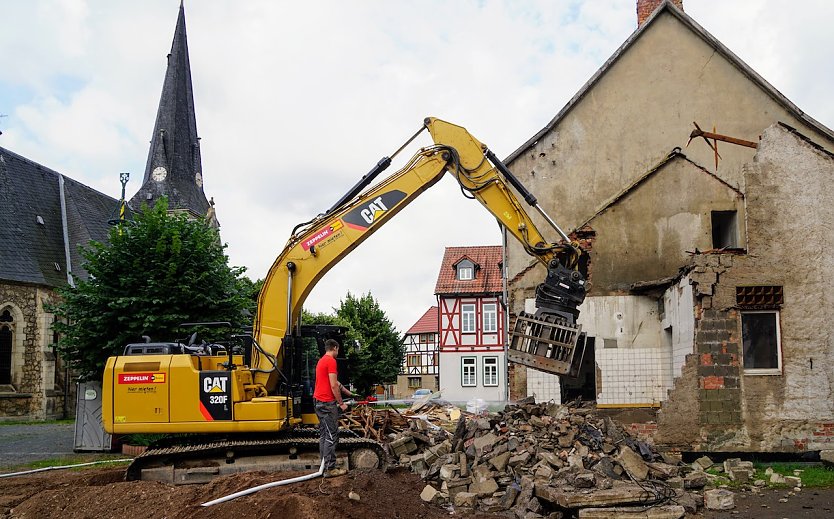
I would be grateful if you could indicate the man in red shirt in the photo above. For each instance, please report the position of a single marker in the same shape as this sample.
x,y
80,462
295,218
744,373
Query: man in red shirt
x,y
328,397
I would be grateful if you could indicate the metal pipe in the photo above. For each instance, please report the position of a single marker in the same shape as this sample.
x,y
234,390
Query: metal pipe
x,y
553,223
267,485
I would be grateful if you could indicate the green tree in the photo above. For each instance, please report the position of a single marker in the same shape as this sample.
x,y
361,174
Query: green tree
x,y
381,354
153,274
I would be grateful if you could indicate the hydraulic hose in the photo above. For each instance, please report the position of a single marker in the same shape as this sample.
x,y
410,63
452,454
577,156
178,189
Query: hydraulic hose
x,y
267,485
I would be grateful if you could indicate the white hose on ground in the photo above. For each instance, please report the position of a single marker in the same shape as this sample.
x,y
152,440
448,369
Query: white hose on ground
x,y
267,485
62,467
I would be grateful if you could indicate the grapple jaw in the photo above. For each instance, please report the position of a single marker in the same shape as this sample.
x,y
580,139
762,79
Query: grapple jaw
x,y
550,340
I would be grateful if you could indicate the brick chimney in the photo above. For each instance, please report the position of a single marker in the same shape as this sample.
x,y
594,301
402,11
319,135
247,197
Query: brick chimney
x,y
645,8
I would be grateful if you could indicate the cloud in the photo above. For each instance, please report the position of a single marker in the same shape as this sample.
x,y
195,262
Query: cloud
x,y
296,101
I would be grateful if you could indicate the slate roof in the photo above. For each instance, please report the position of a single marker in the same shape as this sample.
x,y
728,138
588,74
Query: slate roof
x,y
174,143
425,324
709,39
31,252
487,259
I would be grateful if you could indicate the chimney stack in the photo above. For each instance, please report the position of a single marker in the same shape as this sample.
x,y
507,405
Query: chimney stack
x,y
645,8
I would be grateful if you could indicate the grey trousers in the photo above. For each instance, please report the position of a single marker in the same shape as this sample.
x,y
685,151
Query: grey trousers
x,y
328,414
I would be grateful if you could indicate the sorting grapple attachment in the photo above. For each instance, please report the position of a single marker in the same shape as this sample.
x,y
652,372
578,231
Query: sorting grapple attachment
x,y
548,343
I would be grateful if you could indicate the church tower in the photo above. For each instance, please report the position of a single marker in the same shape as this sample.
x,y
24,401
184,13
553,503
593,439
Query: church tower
x,y
174,168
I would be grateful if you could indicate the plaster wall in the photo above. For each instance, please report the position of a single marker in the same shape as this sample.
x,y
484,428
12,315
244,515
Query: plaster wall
x,y
450,378
637,112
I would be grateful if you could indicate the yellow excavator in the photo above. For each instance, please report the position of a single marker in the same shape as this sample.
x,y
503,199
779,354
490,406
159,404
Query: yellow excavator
x,y
247,402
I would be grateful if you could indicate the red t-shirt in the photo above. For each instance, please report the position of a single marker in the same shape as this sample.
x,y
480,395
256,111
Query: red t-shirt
x,y
323,392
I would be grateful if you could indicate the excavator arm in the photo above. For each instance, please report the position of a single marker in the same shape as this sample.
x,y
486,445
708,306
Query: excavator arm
x,y
316,246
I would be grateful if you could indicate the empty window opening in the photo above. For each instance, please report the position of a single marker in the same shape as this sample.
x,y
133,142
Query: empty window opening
x,y
761,339
724,230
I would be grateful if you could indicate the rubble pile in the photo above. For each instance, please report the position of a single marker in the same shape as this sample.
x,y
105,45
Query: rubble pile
x,y
544,460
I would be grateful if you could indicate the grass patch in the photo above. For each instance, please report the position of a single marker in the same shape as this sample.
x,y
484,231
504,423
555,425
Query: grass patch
x,y
812,476
67,421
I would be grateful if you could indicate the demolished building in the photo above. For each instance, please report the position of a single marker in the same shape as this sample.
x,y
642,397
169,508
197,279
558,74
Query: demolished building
x,y
706,273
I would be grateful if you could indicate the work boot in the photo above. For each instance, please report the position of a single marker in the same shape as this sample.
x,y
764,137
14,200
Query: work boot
x,y
332,473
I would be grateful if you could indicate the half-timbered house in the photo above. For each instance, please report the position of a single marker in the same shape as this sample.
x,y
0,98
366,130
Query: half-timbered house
x,y
469,294
420,364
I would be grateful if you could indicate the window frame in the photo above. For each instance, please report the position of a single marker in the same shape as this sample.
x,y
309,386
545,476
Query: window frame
x,y
463,368
474,320
469,270
419,381
493,363
413,357
493,313
763,371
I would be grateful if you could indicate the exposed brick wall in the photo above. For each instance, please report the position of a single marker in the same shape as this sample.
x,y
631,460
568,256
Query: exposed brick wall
x,y
645,8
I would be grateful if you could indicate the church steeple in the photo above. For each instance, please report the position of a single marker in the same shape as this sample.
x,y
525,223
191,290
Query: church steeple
x,y
174,167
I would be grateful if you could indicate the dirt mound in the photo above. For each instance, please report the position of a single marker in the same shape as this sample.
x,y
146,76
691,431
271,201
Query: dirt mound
x,y
101,493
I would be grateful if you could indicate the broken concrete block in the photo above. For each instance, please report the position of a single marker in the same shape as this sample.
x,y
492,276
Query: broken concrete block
x,y
490,504
633,464
793,481
694,480
466,499
404,445
519,459
429,493
676,482
500,461
543,472
704,462
655,512
827,457
622,494
482,442
739,475
663,470
484,488
509,497
586,480
719,499
777,479
447,472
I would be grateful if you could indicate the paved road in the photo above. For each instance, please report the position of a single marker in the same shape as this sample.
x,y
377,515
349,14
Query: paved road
x,y
22,444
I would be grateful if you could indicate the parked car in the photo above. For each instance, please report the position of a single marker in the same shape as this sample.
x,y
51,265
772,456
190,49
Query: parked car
x,y
420,393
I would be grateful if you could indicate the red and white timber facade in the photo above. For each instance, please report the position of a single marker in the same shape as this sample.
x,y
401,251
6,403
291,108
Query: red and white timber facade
x,y
420,368
469,294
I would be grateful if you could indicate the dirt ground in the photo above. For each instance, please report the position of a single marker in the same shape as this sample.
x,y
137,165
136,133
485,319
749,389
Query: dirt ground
x,y
101,493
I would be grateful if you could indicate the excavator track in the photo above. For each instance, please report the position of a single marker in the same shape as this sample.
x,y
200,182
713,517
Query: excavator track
x,y
197,462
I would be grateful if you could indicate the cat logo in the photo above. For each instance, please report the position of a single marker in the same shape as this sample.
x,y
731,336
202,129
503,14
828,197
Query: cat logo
x,y
214,384
362,217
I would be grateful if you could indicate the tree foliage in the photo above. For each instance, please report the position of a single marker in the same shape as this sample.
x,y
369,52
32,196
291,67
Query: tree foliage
x,y
381,354
155,273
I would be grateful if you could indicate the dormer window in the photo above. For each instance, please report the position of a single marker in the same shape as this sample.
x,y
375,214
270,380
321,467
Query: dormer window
x,y
465,270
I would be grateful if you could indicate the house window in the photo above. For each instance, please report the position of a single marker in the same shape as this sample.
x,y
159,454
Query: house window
x,y
6,337
465,270
413,361
468,369
490,317
425,338
467,318
414,383
761,340
724,230
490,371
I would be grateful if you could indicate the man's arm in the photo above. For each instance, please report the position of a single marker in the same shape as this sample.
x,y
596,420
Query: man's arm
x,y
335,386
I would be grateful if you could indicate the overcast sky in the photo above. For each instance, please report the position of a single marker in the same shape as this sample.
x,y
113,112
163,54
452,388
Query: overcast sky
x,y
295,101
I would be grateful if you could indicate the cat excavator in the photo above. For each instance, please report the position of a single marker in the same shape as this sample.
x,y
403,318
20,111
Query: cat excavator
x,y
246,402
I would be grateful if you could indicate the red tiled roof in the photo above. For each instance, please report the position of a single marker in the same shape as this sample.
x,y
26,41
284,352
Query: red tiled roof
x,y
487,275
425,324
